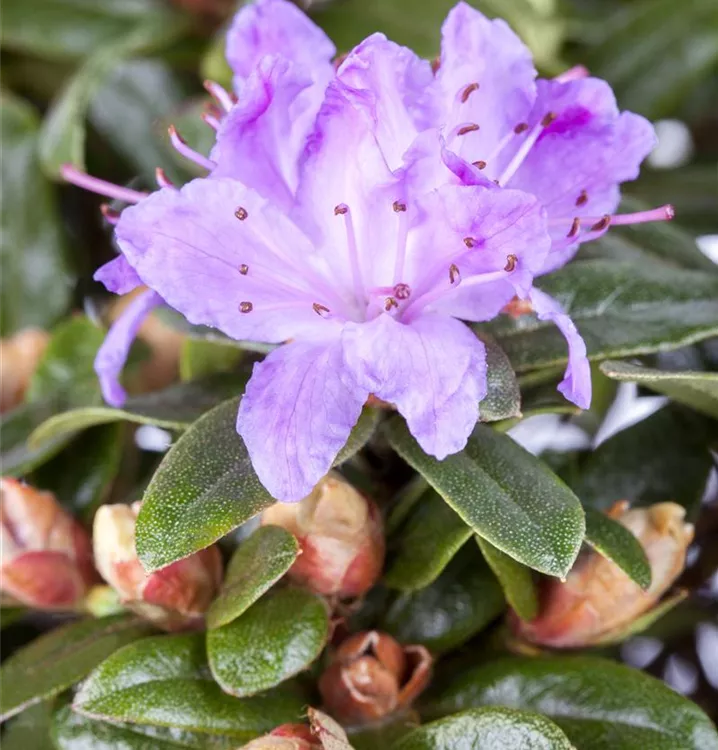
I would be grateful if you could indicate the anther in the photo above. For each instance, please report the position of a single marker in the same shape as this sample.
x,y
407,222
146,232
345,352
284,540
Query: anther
x,y
398,207
480,164
511,261
246,307
470,128
244,269
522,127
110,214
162,179
575,227
390,302
469,242
548,118
466,93
435,65
241,213
320,310
402,291
603,223
582,199
454,273
341,209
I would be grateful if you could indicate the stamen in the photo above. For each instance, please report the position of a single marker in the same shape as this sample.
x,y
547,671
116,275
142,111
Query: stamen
x,y
582,199
454,274
573,74
111,216
526,146
189,153
162,179
466,93
402,232
390,302
662,213
603,223
321,310
241,213
470,128
211,120
340,210
435,65
511,261
343,210
575,227
218,93
402,291
469,242
244,269
500,146
398,206
522,127
74,176
548,119
246,307
480,164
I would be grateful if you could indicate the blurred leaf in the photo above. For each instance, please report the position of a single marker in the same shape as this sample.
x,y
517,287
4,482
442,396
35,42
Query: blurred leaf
x,y
258,563
505,494
214,66
699,390
165,681
600,705
60,658
275,639
36,284
385,733
619,308
202,358
461,602
503,399
435,530
516,580
488,729
615,542
30,730
191,503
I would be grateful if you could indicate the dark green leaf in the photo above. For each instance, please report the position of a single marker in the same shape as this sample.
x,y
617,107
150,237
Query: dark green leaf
x,y
699,390
165,681
255,567
425,544
200,358
505,494
380,734
617,543
620,309
503,400
280,636
62,657
462,601
515,579
36,283
488,729
30,730
600,705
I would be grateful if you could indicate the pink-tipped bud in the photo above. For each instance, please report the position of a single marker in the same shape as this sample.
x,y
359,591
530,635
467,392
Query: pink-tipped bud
x,y
19,356
341,538
46,553
286,737
174,598
598,598
372,676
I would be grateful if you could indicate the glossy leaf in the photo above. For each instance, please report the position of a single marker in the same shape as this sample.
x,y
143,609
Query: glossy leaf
x,y
60,658
617,543
599,704
280,636
699,390
516,580
620,309
461,602
505,495
189,503
255,567
165,681
488,729
425,544
503,398
36,283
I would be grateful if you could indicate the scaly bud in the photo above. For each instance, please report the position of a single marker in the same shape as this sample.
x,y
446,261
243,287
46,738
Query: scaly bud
x,y
372,676
286,737
46,554
19,356
598,598
341,538
175,597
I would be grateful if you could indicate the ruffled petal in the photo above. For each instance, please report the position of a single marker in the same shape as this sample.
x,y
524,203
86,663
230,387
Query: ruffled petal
x,y
118,276
223,257
433,370
112,355
277,27
296,415
576,384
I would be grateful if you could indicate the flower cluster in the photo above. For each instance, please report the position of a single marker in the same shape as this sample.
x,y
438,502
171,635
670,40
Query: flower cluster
x,y
360,212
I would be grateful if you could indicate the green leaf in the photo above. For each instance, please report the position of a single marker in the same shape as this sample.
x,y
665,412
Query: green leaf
x,y
505,495
615,542
255,567
165,681
200,358
620,309
699,390
60,658
503,398
174,408
36,283
280,636
425,544
515,579
461,602
600,705
663,457
488,729
189,504
30,730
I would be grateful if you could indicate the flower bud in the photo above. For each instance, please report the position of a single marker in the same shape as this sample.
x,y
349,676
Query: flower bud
x,y
286,737
340,535
175,597
46,554
598,599
19,356
372,676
